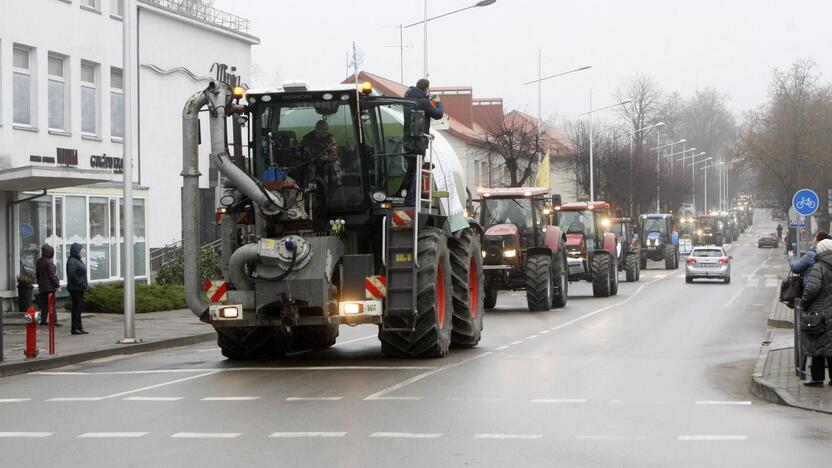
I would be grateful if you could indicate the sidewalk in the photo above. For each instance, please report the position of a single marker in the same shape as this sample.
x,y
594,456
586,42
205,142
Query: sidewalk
x,y
157,330
774,377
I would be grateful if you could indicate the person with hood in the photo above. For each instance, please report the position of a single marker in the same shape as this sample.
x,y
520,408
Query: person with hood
x,y
48,282
817,298
803,266
432,106
779,232
76,284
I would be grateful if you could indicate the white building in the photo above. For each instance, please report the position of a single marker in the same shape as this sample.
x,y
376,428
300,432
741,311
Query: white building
x,y
61,123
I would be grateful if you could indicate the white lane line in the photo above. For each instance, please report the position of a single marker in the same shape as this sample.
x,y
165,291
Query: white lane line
x,y
407,435
235,369
207,350
727,402
503,348
112,435
638,402
150,398
772,283
531,337
543,332
488,400
380,394
76,399
329,398
206,435
231,398
300,435
607,437
516,342
559,400
737,294
12,435
712,437
509,436
14,400
163,384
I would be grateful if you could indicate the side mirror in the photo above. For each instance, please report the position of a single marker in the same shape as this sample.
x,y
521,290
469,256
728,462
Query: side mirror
x,y
415,140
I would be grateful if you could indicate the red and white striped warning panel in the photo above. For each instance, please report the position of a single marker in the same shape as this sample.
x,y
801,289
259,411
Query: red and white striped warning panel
x,y
403,219
217,291
375,287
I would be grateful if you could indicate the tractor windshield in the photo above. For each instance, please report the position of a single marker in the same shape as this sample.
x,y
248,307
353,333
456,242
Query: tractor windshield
x,y
517,211
313,143
577,222
707,221
654,225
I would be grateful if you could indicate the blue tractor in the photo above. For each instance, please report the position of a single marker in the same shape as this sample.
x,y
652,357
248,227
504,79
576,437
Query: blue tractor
x,y
658,240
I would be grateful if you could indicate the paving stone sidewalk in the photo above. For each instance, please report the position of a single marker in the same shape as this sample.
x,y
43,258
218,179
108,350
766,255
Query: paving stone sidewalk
x,y
157,330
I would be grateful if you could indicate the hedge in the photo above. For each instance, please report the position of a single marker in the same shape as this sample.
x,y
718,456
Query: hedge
x,y
109,298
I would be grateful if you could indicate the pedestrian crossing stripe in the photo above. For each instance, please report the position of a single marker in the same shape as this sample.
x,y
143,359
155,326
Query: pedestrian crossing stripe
x,y
217,291
375,287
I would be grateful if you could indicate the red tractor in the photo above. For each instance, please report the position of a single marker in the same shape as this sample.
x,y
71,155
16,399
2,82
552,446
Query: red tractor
x,y
522,248
591,246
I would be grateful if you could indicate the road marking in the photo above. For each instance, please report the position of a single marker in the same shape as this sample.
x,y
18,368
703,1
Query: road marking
x,y
607,437
502,348
14,400
559,400
299,435
380,394
735,296
206,435
235,369
9,435
531,337
543,332
407,435
712,437
489,400
231,398
727,402
112,435
163,384
207,350
516,342
772,283
509,436
76,399
637,402
331,398
150,398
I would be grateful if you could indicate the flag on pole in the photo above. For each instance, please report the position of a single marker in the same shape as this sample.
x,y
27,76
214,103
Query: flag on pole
x,y
543,172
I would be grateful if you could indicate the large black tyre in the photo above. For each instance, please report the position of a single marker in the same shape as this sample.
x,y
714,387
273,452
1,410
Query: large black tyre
x,y
467,281
642,263
560,272
539,282
601,275
432,334
718,239
669,256
638,270
250,343
676,257
613,275
490,298
631,267
314,337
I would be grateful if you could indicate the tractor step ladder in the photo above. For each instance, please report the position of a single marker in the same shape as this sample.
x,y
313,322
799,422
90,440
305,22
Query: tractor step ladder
x,y
400,254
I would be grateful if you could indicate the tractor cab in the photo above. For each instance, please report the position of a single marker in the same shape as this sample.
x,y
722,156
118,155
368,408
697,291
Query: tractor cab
x,y
658,240
708,230
514,219
592,245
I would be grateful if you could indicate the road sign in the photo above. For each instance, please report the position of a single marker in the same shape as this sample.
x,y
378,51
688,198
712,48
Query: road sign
x,y
797,224
805,202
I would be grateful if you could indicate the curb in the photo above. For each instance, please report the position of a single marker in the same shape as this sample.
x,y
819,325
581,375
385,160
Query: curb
x,y
25,367
777,323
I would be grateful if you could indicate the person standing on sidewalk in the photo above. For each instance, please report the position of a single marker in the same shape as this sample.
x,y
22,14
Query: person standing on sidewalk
x,y
804,265
817,297
48,282
76,284
779,232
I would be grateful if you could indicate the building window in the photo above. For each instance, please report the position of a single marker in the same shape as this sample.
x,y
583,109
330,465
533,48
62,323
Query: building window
x,y
138,236
116,103
22,92
57,93
35,230
89,99
117,8
99,251
92,4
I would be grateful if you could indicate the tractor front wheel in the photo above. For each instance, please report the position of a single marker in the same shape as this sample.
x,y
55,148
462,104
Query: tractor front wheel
x,y
631,267
467,280
601,275
560,270
539,282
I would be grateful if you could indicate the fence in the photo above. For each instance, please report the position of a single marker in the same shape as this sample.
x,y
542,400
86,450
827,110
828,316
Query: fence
x,y
204,12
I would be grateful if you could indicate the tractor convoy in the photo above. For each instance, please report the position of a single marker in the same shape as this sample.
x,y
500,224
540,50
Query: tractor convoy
x,y
348,210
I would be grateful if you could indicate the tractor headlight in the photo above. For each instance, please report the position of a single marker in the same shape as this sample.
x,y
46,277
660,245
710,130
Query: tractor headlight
x,y
229,312
511,253
352,308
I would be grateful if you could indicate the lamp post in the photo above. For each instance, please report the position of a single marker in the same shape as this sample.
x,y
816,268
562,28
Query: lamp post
x,y
591,154
127,173
658,149
693,175
540,79
632,135
481,3
706,183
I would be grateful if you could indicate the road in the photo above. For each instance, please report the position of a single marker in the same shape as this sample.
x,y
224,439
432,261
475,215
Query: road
x,y
657,376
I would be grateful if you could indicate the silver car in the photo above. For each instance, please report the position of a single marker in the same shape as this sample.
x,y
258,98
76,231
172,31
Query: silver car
x,y
708,261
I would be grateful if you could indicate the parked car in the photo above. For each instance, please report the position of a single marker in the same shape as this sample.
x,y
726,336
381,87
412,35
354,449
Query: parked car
x,y
768,240
708,262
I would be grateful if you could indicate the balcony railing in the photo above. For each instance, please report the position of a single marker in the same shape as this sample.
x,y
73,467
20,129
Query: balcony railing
x,y
200,11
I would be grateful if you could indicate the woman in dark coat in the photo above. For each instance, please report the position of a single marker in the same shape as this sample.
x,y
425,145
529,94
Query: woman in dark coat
x,y
76,284
817,297
48,282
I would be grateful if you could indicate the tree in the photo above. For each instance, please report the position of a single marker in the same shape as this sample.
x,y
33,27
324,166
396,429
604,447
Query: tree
x,y
645,96
512,142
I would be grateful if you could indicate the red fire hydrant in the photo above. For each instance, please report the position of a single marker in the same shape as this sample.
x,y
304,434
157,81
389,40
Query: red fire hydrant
x,y
32,319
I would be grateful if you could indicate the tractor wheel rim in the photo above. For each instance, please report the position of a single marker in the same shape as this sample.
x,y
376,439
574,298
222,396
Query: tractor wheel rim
x,y
473,288
440,295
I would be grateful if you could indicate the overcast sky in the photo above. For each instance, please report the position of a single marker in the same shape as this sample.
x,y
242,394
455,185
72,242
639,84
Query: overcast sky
x,y
732,45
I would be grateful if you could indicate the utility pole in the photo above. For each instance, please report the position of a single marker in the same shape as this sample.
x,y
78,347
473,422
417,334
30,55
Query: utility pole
x,y
591,155
127,175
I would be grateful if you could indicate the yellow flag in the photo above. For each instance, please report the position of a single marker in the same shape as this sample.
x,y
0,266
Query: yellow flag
x,y
543,176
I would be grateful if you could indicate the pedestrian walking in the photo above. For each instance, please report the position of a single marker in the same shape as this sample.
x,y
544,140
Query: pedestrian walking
x,y
76,284
817,298
803,266
779,232
48,282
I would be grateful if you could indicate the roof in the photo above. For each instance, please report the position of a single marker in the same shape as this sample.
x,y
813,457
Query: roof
x,y
512,192
581,206
381,84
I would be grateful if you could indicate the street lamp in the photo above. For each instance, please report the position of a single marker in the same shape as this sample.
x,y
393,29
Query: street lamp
x,y
658,169
481,3
693,179
591,154
706,182
632,134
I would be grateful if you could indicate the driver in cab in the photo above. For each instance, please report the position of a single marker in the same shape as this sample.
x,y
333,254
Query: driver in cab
x,y
320,146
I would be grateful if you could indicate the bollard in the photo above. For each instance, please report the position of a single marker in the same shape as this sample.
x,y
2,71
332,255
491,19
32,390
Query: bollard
x,y
32,319
52,320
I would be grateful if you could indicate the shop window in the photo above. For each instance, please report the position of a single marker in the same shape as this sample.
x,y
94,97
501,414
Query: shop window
x,y
139,240
22,83
116,103
98,258
35,230
89,99
60,247
57,93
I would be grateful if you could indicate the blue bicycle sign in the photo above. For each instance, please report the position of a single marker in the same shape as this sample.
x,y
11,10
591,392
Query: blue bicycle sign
x,y
805,202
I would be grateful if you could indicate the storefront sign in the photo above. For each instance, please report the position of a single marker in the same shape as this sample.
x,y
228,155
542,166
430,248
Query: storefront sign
x,y
67,157
107,162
